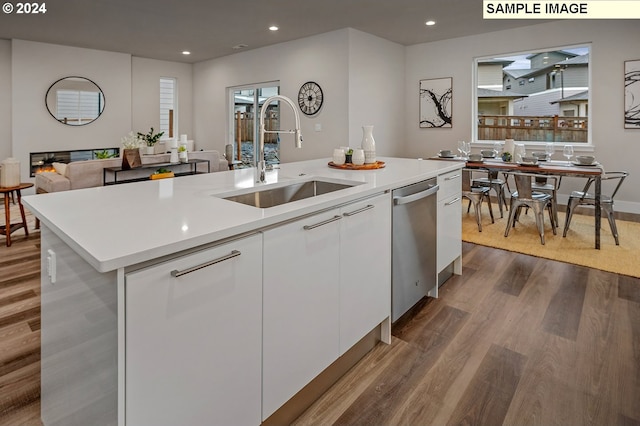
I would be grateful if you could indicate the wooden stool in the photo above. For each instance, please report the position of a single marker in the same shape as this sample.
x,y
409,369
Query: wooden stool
x,y
9,228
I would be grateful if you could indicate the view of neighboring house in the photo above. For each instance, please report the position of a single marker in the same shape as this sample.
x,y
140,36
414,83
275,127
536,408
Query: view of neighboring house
x,y
550,87
556,83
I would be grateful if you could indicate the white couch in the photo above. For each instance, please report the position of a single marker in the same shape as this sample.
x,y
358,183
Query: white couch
x,y
89,173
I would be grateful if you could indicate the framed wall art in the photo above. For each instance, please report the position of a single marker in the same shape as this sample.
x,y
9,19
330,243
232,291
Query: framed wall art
x,y
435,102
632,94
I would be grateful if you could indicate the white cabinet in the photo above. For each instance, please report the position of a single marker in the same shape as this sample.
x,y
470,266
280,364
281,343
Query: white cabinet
x,y
450,221
193,340
301,310
365,268
327,283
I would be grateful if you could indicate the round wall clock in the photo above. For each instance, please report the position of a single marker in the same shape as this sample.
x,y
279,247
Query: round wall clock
x,y
310,98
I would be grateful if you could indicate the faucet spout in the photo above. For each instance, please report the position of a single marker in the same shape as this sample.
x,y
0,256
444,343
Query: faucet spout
x,y
260,161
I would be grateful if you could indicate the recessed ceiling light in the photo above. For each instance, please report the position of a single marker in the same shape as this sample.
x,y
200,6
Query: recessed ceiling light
x,y
186,52
430,23
273,28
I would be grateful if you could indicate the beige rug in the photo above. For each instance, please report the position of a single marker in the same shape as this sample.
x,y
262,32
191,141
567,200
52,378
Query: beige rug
x,y
578,247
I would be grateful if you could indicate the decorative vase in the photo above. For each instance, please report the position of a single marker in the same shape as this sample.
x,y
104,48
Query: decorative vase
x,y
173,158
184,157
368,145
150,150
131,159
10,173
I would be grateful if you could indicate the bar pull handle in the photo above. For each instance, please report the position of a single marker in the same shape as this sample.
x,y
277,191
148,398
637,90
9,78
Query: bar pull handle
x,y
324,222
176,273
415,197
455,200
355,212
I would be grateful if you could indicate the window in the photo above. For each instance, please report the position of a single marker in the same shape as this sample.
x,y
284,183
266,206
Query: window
x,y
244,119
168,102
552,108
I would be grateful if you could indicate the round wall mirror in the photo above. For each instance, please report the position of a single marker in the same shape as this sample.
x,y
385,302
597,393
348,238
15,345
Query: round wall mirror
x,y
75,101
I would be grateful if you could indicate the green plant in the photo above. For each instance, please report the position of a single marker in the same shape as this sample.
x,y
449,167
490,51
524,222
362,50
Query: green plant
x,y
150,138
101,155
182,148
162,170
506,156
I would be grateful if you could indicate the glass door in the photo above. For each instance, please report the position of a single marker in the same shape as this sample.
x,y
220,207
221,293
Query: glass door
x,y
245,119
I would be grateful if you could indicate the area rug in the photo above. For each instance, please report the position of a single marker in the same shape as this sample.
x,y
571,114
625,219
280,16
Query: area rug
x,y
578,247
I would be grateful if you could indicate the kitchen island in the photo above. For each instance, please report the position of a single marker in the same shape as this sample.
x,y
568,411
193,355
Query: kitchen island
x,y
137,328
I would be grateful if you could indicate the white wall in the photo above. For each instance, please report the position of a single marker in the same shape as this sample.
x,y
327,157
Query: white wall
x,y
5,99
376,91
35,66
322,58
615,147
145,91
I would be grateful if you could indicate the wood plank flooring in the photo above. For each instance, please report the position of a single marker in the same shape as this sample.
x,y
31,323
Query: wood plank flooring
x,y
515,340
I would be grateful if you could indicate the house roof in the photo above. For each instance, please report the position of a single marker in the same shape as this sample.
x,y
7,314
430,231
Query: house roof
x,y
582,96
488,93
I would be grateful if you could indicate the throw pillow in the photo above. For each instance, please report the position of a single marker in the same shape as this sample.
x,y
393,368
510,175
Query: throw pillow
x,y
61,168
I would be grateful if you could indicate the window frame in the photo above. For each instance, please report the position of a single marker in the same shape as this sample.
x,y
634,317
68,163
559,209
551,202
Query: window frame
x,y
169,133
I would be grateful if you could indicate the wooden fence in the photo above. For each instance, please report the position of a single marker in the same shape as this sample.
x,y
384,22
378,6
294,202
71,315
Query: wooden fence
x,y
244,128
523,128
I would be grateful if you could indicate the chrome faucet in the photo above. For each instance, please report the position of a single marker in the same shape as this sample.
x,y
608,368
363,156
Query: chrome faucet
x,y
260,161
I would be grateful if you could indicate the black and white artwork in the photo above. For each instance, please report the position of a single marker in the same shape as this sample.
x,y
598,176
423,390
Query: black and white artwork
x,y
632,94
435,102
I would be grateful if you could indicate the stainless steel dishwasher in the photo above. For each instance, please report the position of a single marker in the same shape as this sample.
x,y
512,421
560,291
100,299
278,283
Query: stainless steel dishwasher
x,y
413,267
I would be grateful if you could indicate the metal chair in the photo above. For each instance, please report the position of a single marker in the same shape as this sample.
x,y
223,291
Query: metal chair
x,y
475,194
493,182
524,196
584,198
549,185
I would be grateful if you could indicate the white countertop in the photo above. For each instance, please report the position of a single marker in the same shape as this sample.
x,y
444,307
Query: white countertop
x,y
122,225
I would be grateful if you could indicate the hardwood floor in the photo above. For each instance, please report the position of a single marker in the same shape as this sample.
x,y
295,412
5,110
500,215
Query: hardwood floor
x,y
515,340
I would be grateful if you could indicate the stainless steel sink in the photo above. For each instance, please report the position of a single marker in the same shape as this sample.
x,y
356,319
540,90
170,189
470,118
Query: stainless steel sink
x,y
266,198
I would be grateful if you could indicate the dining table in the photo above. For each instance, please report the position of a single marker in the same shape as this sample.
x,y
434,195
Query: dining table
x,y
549,168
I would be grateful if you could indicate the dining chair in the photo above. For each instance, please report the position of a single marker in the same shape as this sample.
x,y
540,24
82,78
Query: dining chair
x,y
525,196
475,195
549,185
492,181
584,198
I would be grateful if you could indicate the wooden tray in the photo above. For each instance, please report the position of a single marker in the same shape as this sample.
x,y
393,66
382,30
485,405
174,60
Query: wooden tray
x,y
161,175
351,166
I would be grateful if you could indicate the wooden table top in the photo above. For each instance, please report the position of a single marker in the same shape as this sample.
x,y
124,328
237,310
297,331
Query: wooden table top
x,y
558,167
7,189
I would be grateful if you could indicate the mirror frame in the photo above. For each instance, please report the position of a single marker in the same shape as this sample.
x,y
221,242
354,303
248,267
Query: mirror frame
x,y
46,97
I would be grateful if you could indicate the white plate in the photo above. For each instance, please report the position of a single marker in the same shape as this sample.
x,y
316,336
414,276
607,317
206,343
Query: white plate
x,y
446,156
575,163
520,163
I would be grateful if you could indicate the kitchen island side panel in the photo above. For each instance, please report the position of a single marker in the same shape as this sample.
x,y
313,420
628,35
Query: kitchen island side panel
x,y
79,364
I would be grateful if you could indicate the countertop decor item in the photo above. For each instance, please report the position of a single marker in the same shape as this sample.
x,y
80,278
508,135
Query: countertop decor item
x,y
131,152
182,153
10,173
368,144
150,140
310,98
351,166
162,174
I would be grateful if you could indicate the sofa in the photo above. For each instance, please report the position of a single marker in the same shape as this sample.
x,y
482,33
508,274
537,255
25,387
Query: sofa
x,y
89,173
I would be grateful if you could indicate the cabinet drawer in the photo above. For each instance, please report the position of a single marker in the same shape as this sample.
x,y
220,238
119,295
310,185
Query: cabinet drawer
x,y
449,231
450,184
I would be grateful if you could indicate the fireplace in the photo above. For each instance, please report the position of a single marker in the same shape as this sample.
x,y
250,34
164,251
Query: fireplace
x,y
43,161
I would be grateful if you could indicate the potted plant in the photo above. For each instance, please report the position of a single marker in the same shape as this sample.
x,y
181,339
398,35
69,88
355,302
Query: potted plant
x,y
131,151
150,139
182,153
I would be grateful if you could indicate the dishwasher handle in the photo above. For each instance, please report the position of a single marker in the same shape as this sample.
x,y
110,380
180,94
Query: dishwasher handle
x,y
397,201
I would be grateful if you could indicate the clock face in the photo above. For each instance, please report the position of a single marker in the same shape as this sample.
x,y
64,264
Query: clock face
x,y
310,98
